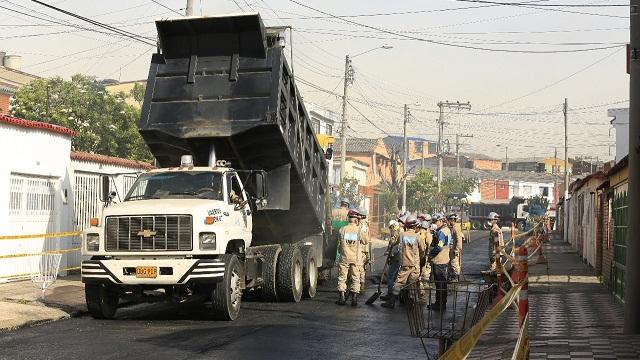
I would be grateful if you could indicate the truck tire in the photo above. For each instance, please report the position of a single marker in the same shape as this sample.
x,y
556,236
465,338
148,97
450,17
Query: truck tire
x,y
310,274
289,274
102,300
486,225
226,296
268,290
475,225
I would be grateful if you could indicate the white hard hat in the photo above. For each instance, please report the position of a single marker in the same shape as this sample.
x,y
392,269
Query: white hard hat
x,y
393,223
493,216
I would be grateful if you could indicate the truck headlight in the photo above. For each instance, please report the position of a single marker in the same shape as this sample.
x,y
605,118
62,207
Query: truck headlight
x,y
92,242
207,241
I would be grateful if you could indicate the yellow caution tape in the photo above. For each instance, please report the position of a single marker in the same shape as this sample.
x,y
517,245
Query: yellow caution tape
x,y
35,273
38,254
50,235
462,348
522,345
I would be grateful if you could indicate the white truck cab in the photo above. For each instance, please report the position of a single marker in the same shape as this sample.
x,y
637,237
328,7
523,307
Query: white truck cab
x,y
176,230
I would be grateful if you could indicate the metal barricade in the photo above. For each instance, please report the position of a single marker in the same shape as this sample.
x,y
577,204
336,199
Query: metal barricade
x,y
466,304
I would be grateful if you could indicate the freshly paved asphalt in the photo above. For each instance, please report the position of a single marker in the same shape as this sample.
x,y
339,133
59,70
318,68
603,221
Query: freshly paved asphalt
x,y
311,329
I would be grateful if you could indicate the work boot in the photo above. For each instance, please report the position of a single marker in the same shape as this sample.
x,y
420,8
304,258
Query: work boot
x,y
341,300
354,299
385,297
391,303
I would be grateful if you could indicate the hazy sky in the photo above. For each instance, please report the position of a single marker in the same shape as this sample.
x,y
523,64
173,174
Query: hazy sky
x,y
516,97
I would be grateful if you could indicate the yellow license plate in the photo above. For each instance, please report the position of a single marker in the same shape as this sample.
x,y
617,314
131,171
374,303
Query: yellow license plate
x,y
146,272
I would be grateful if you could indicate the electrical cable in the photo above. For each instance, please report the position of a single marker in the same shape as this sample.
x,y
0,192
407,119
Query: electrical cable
x,y
99,24
168,8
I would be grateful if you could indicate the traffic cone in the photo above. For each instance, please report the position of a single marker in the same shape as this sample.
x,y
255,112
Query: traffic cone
x,y
541,259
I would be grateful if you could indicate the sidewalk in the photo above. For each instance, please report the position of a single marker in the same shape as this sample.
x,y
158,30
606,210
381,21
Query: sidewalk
x,y
21,304
572,315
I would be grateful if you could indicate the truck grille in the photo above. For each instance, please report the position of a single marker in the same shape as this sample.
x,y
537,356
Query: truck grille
x,y
149,233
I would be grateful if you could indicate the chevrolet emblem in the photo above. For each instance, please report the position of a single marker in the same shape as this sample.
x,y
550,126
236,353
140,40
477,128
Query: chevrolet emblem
x,y
147,233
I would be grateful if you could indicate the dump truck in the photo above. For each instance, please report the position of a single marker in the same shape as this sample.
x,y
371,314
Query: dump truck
x,y
513,211
239,203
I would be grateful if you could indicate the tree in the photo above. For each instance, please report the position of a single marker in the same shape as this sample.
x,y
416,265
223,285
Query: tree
x,y
538,204
105,123
349,191
422,191
137,93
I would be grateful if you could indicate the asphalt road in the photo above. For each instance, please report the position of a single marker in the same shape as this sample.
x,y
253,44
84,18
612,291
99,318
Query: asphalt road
x,y
311,329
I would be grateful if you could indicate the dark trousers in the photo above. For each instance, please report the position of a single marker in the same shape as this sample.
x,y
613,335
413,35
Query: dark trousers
x,y
440,276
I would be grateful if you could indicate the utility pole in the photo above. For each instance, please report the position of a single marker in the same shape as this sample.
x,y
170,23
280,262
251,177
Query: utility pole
x,y
566,154
555,181
189,8
423,143
343,148
458,136
450,105
506,158
632,266
405,167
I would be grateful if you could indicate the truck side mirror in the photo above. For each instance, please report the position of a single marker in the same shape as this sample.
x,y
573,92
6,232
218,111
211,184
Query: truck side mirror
x,y
105,194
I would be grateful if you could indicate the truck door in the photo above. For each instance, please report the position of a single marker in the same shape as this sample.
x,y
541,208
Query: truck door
x,y
237,197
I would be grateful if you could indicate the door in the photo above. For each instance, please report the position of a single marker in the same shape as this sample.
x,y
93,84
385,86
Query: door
x,y
238,199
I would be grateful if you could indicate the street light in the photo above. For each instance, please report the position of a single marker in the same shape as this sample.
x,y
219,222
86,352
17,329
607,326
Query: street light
x,y
506,156
348,78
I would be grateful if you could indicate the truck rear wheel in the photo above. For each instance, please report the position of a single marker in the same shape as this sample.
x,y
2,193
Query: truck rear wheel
x,y
475,225
289,274
310,275
102,300
486,225
268,290
226,296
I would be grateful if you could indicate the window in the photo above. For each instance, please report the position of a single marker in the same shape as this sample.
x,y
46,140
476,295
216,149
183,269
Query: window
x,y
526,190
329,129
233,186
620,223
31,196
315,124
544,191
419,146
177,185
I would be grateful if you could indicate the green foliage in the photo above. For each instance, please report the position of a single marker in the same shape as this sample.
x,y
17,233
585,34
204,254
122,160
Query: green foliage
x,y
105,123
349,190
422,191
540,201
137,93
423,195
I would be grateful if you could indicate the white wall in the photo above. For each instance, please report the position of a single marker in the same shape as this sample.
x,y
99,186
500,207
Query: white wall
x,y
527,189
38,162
621,125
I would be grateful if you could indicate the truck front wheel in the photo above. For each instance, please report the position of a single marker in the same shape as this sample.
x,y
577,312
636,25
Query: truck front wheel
x,y
289,274
102,300
310,276
227,294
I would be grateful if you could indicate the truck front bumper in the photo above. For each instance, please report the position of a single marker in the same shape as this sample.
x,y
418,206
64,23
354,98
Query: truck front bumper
x,y
168,271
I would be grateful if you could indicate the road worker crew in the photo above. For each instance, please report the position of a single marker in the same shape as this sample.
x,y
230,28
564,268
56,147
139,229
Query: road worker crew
x,y
456,246
363,223
426,237
409,272
393,257
439,255
340,214
495,233
349,245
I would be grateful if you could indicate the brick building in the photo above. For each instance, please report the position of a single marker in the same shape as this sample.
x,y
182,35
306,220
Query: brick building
x,y
11,79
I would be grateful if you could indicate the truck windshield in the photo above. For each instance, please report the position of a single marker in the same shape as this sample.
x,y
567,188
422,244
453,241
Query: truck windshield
x,y
172,185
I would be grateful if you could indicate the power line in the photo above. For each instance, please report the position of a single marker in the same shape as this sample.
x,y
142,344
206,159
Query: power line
x,y
450,44
99,24
542,5
166,7
548,8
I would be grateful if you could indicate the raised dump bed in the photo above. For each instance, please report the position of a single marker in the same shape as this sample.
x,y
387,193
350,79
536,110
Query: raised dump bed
x,y
222,85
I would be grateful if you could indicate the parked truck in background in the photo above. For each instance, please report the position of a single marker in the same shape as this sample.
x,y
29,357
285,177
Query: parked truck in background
x,y
239,203
514,211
